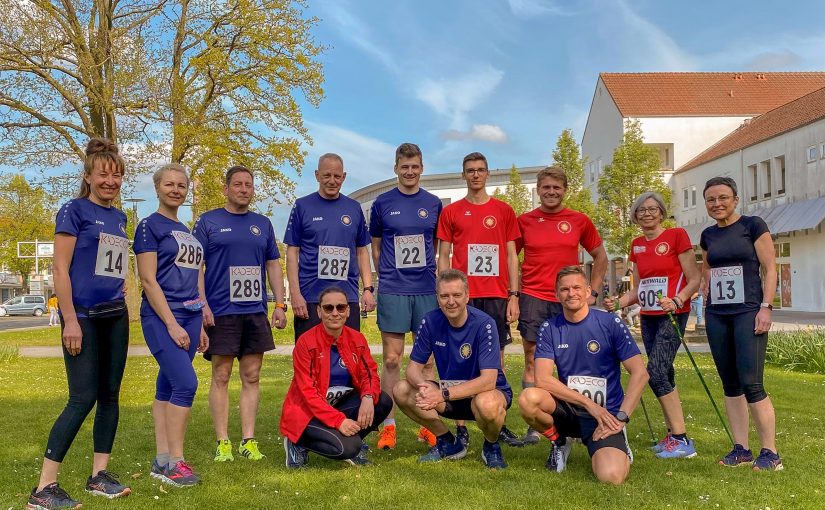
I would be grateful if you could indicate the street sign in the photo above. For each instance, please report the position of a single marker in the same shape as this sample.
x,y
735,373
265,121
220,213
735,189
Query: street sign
x,y
45,249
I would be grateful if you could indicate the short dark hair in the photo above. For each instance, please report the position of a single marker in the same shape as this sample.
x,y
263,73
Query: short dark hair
x,y
474,156
721,181
553,172
331,290
408,150
452,275
569,270
237,169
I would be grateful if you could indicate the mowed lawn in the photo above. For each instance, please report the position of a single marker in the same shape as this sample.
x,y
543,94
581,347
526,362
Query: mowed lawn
x,y
33,391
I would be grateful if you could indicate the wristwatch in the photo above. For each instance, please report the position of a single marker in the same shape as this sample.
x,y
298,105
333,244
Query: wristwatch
x,y
767,305
368,395
282,306
622,416
370,288
513,293
445,394
594,293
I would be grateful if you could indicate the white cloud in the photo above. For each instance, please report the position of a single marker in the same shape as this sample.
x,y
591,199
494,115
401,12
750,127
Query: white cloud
x,y
455,97
526,9
482,132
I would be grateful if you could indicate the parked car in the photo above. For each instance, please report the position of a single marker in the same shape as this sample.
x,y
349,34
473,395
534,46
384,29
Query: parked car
x,y
24,305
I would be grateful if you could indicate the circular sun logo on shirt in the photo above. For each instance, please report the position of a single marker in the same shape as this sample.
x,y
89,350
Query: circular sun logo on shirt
x,y
341,363
564,227
255,230
465,351
593,347
422,213
346,220
489,221
662,248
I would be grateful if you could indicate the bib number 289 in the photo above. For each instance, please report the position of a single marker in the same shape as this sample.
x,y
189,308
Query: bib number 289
x,y
245,283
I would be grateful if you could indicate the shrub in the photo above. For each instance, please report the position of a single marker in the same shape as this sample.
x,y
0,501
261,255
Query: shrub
x,y
801,350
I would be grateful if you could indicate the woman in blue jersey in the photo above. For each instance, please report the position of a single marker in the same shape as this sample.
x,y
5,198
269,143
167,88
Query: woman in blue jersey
x,y
169,261
90,264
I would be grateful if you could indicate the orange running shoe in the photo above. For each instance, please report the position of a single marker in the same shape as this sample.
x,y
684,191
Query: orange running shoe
x,y
386,441
424,435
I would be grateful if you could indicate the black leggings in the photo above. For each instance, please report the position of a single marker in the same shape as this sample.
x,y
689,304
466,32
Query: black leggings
x,y
330,443
739,353
94,376
661,343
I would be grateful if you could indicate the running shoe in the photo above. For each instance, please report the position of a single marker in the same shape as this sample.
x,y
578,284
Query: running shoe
x,y
386,440
739,456
52,497
443,450
768,461
361,459
557,460
492,456
296,456
158,471
677,449
660,445
106,484
224,451
249,449
463,435
509,437
425,436
181,475
531,437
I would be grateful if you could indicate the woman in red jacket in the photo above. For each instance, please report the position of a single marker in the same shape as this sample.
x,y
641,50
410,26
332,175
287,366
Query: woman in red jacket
x,y
335,397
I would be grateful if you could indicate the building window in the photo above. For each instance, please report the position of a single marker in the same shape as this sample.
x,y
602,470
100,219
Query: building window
x,y
822,150
811,153
782,250
780,167
693,196
754,182
766,171
684,198
599,167
446,201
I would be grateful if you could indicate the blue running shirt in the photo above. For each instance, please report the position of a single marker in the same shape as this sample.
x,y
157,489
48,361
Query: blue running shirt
x,y
588,354
179,254
460,353
237,248
406,225
101,252
327,232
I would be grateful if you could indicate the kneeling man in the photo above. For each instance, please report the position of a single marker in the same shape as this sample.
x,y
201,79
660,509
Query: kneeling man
x,y
586,346
464,342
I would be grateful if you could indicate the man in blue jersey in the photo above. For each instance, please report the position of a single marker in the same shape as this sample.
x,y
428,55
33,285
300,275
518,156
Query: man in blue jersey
x,y
402,225
586,347
472,386
240,253
327,244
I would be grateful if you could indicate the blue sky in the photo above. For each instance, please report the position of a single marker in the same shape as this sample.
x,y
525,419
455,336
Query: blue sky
x,y
505,77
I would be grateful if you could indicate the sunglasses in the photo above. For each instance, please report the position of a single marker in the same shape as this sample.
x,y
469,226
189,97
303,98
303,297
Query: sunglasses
x,y
341,307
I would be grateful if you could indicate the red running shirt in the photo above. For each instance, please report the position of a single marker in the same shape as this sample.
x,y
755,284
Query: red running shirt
x,y
479,235
657,262
550,242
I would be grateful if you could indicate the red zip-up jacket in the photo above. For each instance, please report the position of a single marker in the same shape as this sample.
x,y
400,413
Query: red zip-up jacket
x,y
306,397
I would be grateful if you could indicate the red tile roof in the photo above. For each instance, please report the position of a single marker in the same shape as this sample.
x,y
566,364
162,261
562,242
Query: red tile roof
x,y
787,117
706,94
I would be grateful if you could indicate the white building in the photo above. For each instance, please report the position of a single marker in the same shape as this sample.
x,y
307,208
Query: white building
x,y
778,162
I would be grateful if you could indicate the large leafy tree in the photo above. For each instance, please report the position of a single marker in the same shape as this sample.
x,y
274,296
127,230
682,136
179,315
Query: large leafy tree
x,y
515,193
25,215
636,168
567,155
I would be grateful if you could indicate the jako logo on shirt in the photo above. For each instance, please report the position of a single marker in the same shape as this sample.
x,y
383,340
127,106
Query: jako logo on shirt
x,y
593,347
226,230
122,228
562,346
490,221
422,213
255,230
564,227
317,218
662,248
346,220
465,351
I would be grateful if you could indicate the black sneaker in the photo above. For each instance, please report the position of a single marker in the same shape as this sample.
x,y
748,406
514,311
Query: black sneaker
x,y
509,438
463,435
106,484
296,456
492,456
361,459
531,437
50,498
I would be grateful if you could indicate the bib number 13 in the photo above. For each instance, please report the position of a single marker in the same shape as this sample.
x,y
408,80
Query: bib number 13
x,y
727,285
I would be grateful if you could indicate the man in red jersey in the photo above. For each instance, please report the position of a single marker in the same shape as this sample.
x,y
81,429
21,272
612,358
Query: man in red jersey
x,y
481,232
550,236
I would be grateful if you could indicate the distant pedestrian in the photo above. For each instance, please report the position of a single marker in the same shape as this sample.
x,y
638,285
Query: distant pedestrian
x,y
54,320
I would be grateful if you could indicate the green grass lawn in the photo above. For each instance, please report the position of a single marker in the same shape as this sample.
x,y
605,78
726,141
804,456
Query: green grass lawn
x,y
33,391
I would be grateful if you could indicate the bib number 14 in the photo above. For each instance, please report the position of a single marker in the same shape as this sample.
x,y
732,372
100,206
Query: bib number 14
x,y
112,256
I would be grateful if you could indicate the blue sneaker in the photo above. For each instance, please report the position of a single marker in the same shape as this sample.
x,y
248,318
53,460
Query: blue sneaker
x,y
52,497
677,449
661,444
463,435
296,456
443,450
492,456
739,456
768,461
106,484
361,459
159,471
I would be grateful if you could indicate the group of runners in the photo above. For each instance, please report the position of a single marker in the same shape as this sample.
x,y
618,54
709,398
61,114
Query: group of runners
x,y
450,276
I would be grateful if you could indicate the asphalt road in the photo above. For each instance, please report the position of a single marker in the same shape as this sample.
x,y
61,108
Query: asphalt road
x,y
23,321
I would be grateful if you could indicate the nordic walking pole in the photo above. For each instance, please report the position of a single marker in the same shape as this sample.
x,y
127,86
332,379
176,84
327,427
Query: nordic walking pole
x,y
698,372
647,417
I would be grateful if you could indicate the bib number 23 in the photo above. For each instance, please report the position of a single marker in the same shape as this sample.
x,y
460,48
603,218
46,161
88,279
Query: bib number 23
x,y
482,260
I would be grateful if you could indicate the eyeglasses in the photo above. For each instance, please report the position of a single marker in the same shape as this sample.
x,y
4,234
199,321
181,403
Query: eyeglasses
x,y
647,210
476,171
720,200
341,307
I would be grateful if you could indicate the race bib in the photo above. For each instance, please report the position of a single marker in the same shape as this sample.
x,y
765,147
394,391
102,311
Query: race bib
x,y
190,251
482,260
333,263
727,285
336,393
447,383
409,251
245,284
112,256
649,289
594,388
